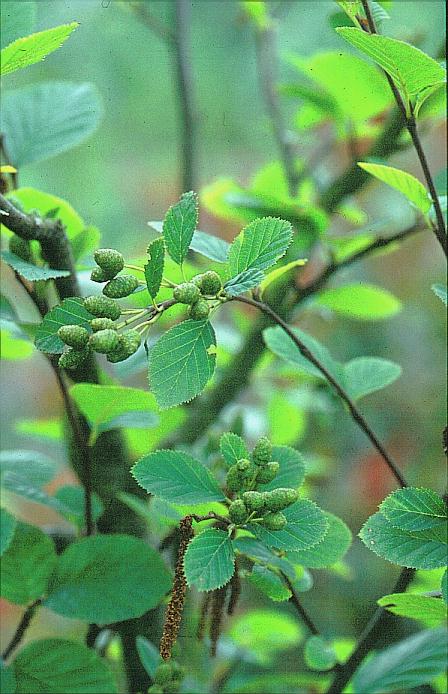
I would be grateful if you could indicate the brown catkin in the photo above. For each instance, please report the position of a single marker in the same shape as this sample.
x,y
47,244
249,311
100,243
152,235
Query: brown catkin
x,y
218,600
235,590
175,607
203,616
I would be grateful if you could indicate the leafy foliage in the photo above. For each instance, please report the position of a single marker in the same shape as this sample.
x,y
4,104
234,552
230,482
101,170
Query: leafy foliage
x,y
430,611
259,245
319,655
154,266
29,271
209,561
269,583
232,448
179,225
414,509
248,279
329,550
402,181
361,301
306,527
33,48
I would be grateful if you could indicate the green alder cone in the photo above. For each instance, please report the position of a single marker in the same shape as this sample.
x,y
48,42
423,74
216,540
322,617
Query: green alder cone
x,y
234,479
73,358
280,498
274,521
74,336
199,310
262,453
243,465
187,293
254,501
97,275
128,344
268,473
110,261
102,324
238,512
104,341
102,307
120,287
20,247
211,283
197,280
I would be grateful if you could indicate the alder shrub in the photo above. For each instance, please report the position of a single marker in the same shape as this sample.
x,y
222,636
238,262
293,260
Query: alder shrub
x,y
169,584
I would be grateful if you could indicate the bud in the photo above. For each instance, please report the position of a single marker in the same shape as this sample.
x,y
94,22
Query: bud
x,y
120,286
262,453
243,464
268,473
102,307
234,479
238,512
199,310
110,261
74,336
187,293
274,521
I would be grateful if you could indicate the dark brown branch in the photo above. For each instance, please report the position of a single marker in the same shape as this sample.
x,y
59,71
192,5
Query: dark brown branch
x,y
185,89
411,124
355,413
377,626
21,629
294,600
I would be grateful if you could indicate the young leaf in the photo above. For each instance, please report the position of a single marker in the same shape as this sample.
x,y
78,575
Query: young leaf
x,y
269,583
274,275
306,526
154,266
178,226
232,448
207,245
319,654
111,407
366,375
417,550
258,552
402,181
209,561
45,119
409,67
35,467
176,477
440,291
328,551
27,565
48,666
243,282
430,611
360,301
259,245
182,362
70,312
29,271
292,468
264,633
33,48
7,527
107,578
414,509
405,665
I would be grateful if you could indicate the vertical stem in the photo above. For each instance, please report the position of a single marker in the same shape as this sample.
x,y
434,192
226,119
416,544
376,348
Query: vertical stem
x,y
21,629
185,88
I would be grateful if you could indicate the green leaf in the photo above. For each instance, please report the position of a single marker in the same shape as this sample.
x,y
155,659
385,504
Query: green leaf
x,y
409,67
154,266
207,245
18,20
34,48
111,407
287,420
430,611
54,666
444,586
402,181
7,528
405,665
178,226
360,301
269,583
423,550
232,448
259,245
7,679
274,275
329,550
306,527
431,102
35,467
265,633
182,362
72,501
149,655
248,279
70,312
46,119
440,291
107,578
176,477
414,509
209,561
292,468
27,565
259,553
14,348
29,271
319,654
366,375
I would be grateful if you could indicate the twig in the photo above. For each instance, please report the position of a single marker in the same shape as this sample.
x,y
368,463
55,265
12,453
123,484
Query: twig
x,y
4,149
411,125
267,67
299,607
375,627
185,88
21,629
355,413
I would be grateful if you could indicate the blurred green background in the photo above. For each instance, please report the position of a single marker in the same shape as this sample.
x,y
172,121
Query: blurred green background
x,y
129,171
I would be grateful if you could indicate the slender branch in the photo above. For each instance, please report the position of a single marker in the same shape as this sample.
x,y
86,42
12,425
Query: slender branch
x,y
266,39
355,413
4,149
21,629
162,30
185,88
411,124
377,626
299,607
